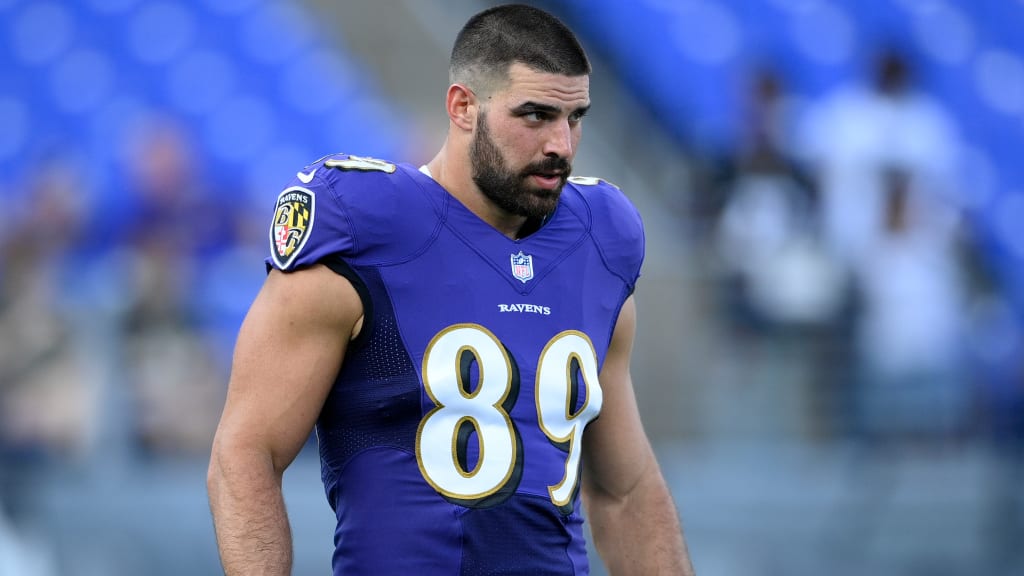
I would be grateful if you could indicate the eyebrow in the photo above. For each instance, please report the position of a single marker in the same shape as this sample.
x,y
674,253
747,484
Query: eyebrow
x,y
530,106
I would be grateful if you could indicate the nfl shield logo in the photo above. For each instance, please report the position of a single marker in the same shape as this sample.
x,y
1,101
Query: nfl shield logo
x,y
522,266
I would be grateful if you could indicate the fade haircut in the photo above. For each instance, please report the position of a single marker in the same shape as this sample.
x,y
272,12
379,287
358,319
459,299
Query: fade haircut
x,y
494,39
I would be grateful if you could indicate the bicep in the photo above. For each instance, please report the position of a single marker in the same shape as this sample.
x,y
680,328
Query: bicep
x,y
287,355
617,453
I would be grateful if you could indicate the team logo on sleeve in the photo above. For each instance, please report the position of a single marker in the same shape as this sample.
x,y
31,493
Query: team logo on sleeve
x,y
293,219
522,267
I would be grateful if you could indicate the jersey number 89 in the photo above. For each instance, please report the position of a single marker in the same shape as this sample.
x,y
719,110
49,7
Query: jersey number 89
x,y
465,405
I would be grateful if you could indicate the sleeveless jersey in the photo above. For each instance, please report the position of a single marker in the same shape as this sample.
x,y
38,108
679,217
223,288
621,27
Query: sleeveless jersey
x,y
450,442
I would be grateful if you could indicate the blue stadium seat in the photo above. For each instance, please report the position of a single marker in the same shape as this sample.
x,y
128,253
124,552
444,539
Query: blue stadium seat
x,y
250,78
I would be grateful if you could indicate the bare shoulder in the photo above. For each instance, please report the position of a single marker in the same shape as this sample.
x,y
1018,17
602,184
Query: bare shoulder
x,y
288,353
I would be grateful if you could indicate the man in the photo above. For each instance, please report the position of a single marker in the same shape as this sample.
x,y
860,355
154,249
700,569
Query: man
x,y
453,333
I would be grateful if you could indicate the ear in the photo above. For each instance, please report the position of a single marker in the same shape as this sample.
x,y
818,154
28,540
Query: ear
x,y
462,106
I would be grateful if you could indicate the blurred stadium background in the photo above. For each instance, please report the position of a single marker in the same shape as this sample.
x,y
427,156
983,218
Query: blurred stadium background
x,y
830,359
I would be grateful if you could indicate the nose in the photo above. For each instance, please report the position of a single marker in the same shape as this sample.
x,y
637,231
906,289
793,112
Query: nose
x,y
560,141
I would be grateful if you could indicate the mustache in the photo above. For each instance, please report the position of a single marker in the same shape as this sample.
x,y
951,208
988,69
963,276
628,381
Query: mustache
x,y
550,164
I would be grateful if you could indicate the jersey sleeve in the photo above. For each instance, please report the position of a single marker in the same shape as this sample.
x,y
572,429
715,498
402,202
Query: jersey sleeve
x,y
309,222
616,228
362,209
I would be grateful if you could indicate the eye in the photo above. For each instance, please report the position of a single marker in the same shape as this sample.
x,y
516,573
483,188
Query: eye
x,y
536,116
577,116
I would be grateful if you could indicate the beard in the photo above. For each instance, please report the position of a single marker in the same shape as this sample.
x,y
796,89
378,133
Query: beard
x,y
508,189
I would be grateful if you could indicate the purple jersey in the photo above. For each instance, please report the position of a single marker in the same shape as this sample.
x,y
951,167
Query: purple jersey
x,y
450,443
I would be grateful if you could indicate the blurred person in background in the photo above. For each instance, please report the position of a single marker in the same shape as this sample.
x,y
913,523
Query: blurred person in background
x,y
446,329
785,297
173,223
768,216
46,405
910,337
884,156
860,130
43,410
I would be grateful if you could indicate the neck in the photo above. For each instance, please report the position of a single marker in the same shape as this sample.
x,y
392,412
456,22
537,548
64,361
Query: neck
x,y
457,178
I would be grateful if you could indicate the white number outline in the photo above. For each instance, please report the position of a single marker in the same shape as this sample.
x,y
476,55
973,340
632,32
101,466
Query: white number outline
x,y
572,341
433,373
557,417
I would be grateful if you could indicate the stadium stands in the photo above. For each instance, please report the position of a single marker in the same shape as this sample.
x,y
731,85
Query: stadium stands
x,y
687,59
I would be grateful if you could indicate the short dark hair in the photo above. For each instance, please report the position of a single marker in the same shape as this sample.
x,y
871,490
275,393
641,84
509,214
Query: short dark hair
x,y
494,39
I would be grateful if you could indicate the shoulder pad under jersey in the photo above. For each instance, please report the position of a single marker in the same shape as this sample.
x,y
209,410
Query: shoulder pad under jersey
x,y
363,209
615,226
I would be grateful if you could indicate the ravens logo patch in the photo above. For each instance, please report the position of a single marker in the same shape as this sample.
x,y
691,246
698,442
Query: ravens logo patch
x,y
293,220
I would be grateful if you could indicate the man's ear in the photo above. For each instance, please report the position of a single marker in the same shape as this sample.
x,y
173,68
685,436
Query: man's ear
x,y
462,106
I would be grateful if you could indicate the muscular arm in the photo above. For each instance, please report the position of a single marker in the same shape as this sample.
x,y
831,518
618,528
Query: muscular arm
x,y
632,516
287,355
